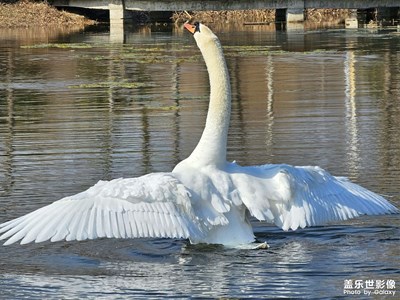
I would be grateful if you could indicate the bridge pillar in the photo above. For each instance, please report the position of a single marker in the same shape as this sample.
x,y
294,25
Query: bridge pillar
x,y
289,15
295,12
117,22
292,14
352,21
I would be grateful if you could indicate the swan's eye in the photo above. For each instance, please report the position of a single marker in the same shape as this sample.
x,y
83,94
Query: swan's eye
x,y
197,25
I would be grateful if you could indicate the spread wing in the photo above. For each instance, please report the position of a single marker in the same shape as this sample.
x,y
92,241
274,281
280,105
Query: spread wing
x,y
293,197
155,205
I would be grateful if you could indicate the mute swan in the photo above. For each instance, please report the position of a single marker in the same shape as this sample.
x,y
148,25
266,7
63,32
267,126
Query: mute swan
x,y
204,199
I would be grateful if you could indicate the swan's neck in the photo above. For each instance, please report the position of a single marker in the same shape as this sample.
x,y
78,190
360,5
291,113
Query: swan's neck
x,y
211,148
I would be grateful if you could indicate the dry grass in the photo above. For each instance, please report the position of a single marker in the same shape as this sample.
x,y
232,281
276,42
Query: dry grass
x,y
236,16
259,16
37,14
327,15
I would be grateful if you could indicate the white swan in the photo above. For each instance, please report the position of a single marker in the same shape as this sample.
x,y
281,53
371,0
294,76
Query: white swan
x,y
204,199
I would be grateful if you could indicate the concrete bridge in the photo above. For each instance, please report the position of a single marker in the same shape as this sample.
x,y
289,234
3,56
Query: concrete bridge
x,y
191,5
293,10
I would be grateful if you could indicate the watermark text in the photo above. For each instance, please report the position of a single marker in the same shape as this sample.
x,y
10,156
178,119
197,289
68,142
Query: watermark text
x,y
369,287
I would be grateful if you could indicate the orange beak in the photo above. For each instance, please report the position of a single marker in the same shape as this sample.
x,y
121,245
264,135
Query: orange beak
x,y
190,28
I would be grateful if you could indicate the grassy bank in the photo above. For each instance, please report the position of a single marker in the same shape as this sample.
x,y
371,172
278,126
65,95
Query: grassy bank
x,y
24,14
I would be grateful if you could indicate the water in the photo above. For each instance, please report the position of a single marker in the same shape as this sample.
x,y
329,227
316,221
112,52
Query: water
x,y
75,108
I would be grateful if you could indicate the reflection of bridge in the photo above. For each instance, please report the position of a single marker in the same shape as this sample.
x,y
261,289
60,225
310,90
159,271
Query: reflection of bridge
x,y
293,10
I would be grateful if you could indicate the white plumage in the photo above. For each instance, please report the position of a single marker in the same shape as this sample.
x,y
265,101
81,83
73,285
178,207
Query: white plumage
x,y
155,205
204,199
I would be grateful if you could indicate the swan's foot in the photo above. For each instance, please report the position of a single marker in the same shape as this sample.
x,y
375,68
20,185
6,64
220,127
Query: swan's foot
x,y
262,246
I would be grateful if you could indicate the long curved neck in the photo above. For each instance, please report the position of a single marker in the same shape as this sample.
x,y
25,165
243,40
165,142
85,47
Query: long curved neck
x,y
211,148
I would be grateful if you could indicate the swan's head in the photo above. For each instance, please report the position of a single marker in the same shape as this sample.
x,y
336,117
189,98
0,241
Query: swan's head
x,y
202,34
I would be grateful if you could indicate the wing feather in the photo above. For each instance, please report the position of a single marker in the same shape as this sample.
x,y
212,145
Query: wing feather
x,y
139,225
105,220
293,197
91,226
100,223
127,226
155,205
82,223
132,223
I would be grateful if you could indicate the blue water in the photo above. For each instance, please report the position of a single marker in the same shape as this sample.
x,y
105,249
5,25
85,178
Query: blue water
x,y
75,108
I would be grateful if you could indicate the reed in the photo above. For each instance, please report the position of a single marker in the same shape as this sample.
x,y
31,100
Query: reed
x,y
240,16
327,15
258,16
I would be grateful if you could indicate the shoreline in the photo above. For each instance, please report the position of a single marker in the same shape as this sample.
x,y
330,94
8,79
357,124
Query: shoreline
x,y
27,14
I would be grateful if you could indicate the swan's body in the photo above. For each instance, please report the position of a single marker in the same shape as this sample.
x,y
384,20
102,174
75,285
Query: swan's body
x,y
204,199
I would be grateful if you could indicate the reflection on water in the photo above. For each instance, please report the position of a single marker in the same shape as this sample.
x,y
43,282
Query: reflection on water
x,y
17,36
351,112
75,109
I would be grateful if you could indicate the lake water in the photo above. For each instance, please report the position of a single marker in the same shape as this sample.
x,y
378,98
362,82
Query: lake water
x,y
76,108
